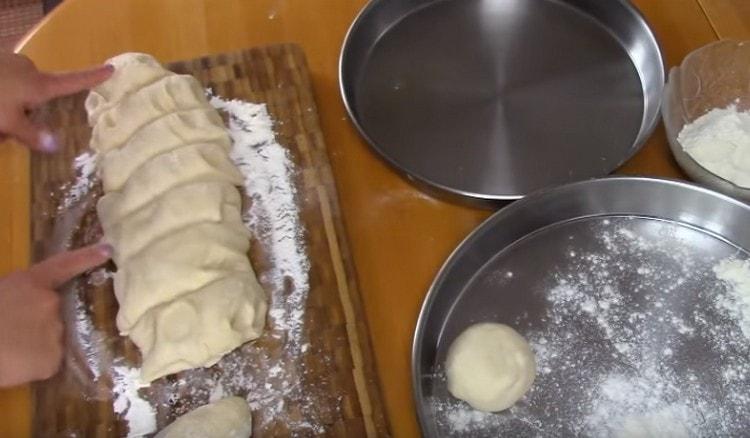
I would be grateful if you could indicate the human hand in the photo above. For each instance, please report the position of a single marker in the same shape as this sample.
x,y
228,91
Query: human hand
x,y
23,87
31,328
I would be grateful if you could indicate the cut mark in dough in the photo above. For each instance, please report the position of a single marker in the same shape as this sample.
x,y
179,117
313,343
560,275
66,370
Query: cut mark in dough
x,y
162,135
177,264
184,205
188,164
169,94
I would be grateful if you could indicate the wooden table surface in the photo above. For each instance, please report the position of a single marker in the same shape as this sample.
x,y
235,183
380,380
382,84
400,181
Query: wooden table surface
x,y
399,236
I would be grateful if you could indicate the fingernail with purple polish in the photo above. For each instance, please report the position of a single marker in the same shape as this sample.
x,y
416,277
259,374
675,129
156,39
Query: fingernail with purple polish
x,y
48,142
106,249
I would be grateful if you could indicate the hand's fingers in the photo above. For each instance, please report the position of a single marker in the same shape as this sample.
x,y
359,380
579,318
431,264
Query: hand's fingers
x,y
33,136
61,84
60,268
49,363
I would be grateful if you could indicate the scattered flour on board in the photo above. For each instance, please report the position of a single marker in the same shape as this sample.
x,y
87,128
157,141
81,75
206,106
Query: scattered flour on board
x,y
82,333
620,324
274,220
85,170
86,337
273,216
100,276
137,412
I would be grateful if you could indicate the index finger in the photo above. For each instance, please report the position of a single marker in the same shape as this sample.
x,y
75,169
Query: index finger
x,y
62,84
58,269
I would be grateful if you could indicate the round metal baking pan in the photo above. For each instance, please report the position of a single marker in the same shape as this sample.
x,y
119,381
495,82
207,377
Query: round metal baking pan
x,y
505,270
493,99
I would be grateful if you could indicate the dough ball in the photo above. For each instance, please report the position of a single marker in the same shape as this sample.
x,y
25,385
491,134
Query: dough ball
x,y
490,366
226,418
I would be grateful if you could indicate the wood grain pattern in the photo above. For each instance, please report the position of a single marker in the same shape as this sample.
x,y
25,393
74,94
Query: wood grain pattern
x,y
398,236
729,18
15,403
336,372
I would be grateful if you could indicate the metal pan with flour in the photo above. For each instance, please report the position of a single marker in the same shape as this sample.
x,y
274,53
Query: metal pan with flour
x,y
634,294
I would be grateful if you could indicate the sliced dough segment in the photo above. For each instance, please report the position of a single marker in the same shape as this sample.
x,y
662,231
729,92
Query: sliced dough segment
x,y
177,264
177,208
188,164
169,94
132,72
164,134
200,327
227,418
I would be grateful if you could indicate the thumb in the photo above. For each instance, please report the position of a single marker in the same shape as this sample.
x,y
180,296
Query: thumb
x,y
62,84
58,269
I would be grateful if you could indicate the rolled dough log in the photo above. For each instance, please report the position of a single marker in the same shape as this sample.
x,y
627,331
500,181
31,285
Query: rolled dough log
x,y
172,212
226,418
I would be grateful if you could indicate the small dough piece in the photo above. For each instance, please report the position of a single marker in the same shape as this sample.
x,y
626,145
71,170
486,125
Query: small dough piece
x,y
200,327
490,366
171,93
188,164
132,72
162,135
226,418
177,264
175,209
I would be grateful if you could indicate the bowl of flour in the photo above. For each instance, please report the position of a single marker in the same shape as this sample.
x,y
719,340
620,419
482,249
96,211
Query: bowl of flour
x,y
706,113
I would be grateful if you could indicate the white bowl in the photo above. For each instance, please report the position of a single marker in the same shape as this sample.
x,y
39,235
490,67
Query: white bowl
x,y
713,76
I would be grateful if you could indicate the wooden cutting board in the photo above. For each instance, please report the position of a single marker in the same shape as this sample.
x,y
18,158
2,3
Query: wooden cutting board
x,y
336,385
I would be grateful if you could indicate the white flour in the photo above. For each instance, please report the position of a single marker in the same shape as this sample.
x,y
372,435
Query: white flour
x,y
100,276
736,274
137,412
620,326
88,339
626,406
274,220
720,141
273,216
85,168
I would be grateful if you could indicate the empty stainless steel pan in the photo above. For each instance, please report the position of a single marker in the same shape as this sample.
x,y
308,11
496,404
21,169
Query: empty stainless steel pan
x,y
492,99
